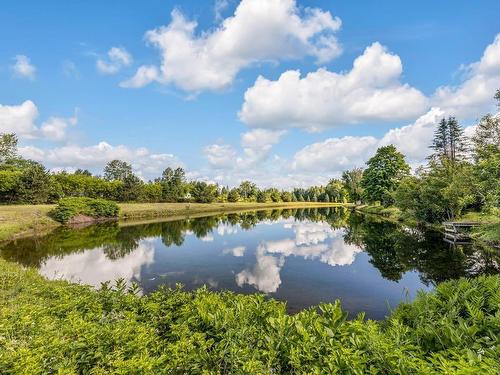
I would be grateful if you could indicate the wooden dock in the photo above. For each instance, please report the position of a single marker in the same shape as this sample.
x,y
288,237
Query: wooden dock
x,y
458,232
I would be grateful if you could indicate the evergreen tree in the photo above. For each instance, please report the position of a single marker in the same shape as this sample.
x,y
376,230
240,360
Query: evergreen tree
x,y
457,142
497,97
440,141
449,141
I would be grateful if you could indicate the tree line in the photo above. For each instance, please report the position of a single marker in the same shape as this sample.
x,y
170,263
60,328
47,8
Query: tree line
x,y
30,182
461,174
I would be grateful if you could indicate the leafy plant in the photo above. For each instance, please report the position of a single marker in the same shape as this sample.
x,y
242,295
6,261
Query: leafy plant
x,y
57,327
67,208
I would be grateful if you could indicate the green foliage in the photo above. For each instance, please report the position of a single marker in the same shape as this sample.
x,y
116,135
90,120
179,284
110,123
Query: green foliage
x,y
233,196
336,191
449,141
117,170
174,187
263,197
486,142
151,192
34,184
8,146
67,208
439,193
202,192
9,183
352,182
385,171
56,327
248,191
286,196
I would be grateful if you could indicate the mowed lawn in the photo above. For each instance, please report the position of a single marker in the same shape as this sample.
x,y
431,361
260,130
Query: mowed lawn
x,y
23,219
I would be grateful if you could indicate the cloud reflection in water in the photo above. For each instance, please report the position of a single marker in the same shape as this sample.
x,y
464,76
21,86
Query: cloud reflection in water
x,y
94,267
315,241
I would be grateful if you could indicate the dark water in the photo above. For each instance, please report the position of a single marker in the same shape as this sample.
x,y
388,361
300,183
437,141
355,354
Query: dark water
x,y
303,257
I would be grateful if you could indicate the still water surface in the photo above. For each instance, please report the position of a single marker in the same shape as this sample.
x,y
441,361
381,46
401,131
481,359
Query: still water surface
x,y
303,257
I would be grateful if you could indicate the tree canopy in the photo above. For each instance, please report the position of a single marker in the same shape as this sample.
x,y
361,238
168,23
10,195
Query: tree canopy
x,y
383,174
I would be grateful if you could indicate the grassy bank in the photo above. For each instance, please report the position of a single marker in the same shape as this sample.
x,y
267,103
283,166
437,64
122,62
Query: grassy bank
x,y
57,327
25,220
390,213
489,231
18,220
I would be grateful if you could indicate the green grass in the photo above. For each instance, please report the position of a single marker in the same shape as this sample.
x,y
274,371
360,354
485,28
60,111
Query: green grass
x,y
49,327
26,220
18,220
489,231
391,212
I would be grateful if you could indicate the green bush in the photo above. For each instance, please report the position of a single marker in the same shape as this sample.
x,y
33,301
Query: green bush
x,y
57,327
68,208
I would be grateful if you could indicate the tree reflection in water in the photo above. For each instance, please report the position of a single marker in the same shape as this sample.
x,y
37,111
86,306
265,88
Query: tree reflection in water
x,y
333,236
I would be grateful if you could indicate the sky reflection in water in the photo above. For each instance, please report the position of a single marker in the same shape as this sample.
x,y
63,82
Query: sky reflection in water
x,y
303,257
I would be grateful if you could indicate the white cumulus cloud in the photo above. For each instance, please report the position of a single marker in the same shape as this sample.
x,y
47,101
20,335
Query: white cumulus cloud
x,y
21,119
117,58
23,68
370,91
474,95
256,144
95,157
334,155
259,30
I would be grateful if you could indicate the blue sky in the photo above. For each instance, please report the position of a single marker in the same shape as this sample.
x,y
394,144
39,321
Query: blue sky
x,y
192,111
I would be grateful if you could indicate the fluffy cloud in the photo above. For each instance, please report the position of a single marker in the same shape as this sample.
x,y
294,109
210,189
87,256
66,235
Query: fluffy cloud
x,y
55,127
143,76
265,275
315,241
414,139
117,58
23,68
221,156
334,155
20,119
95,157
474,95
257,145
370,91
237,251
259,30
93,267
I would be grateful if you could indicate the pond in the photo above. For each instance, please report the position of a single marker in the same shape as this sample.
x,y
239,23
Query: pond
x,y
301,256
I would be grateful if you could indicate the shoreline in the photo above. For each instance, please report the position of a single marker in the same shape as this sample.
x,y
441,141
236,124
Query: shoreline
x,y
17,221
486,232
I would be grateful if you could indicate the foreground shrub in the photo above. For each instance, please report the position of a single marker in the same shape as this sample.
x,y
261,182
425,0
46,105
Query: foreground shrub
x,y
57,327
67,208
